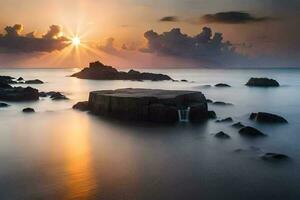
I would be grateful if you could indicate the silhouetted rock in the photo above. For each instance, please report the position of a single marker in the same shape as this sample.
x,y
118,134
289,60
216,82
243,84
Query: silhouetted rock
x,y
82,106
251,132
7,79
274,157
222,85
19,94
43,94
228,119
28,110
211,114
183,80
238,125
4,85
36,81
20,79
267,118
57,96
221,103
3,105
262,82
162,106
222,135
209,101
99,71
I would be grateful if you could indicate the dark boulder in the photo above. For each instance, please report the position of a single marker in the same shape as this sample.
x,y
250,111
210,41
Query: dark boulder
x,y
221,103
99,71
211,114
184,80
20,79
262,82
238,125
222,135
209,101
82,106
161,113
222,85
3,105
198,112
43,94
57,96
19,94
251,132
36,81
7,79
28,110
228,119
267,118
4,85
274,157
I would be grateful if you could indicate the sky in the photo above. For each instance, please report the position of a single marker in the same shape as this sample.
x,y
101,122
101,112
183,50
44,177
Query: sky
x,y
150,33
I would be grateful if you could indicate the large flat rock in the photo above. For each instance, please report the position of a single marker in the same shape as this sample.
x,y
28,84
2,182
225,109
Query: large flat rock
x,y
147,104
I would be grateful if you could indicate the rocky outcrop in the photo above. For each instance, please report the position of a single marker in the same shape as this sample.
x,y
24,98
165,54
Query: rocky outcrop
x,y
222,85
267,118
238,125
162,106
36,81
262,82
82,106
57,96
3,105
228,119
7,79
99,71
28,110
221,103
222,135
250,132
274,157
19,94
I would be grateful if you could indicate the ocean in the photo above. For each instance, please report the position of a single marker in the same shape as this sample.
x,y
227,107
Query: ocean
x,y
61,153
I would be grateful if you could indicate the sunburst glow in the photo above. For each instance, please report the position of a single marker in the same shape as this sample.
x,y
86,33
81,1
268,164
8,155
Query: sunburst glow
x,y
76,41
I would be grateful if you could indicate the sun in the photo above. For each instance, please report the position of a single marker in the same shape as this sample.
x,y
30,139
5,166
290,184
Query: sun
x,y
76,41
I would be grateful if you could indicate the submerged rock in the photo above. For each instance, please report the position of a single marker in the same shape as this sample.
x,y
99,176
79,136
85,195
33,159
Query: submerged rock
x,y
228,119
212,114
36,81
209,101
183,80
222,135
28,110
221,103
222,85
3,105
267,118
238,125
262,82
251,132
274,157
19,94
20,79
82,106
57,96
99,71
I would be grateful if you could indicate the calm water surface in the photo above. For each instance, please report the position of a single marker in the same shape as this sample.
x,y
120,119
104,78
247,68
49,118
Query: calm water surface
x,y
59,153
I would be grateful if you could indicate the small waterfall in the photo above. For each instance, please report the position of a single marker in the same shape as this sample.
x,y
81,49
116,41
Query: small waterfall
x,y
183,114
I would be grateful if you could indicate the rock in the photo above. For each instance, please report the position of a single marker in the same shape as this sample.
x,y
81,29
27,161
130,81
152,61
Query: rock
x,y
20,79
222,135
228,119
7,79
57,96
183,80
99,71
221,103
209,101
251,132
43,94
222,85
3,105
238,125
28,110
267,118
36,81
274,157
19,94
211,115
82,106
161,106
262,82
4,85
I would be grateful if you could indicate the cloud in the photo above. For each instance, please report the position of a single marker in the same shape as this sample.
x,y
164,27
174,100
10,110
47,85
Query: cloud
x,y
204,47
109,47
14,42
233,17
169,19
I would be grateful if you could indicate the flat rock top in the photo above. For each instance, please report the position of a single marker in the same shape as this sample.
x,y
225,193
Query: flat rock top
x,y
139,93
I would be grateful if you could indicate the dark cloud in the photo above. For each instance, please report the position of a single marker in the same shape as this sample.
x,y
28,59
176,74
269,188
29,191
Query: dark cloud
x,y
14,42
169,19
233,17
204,47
